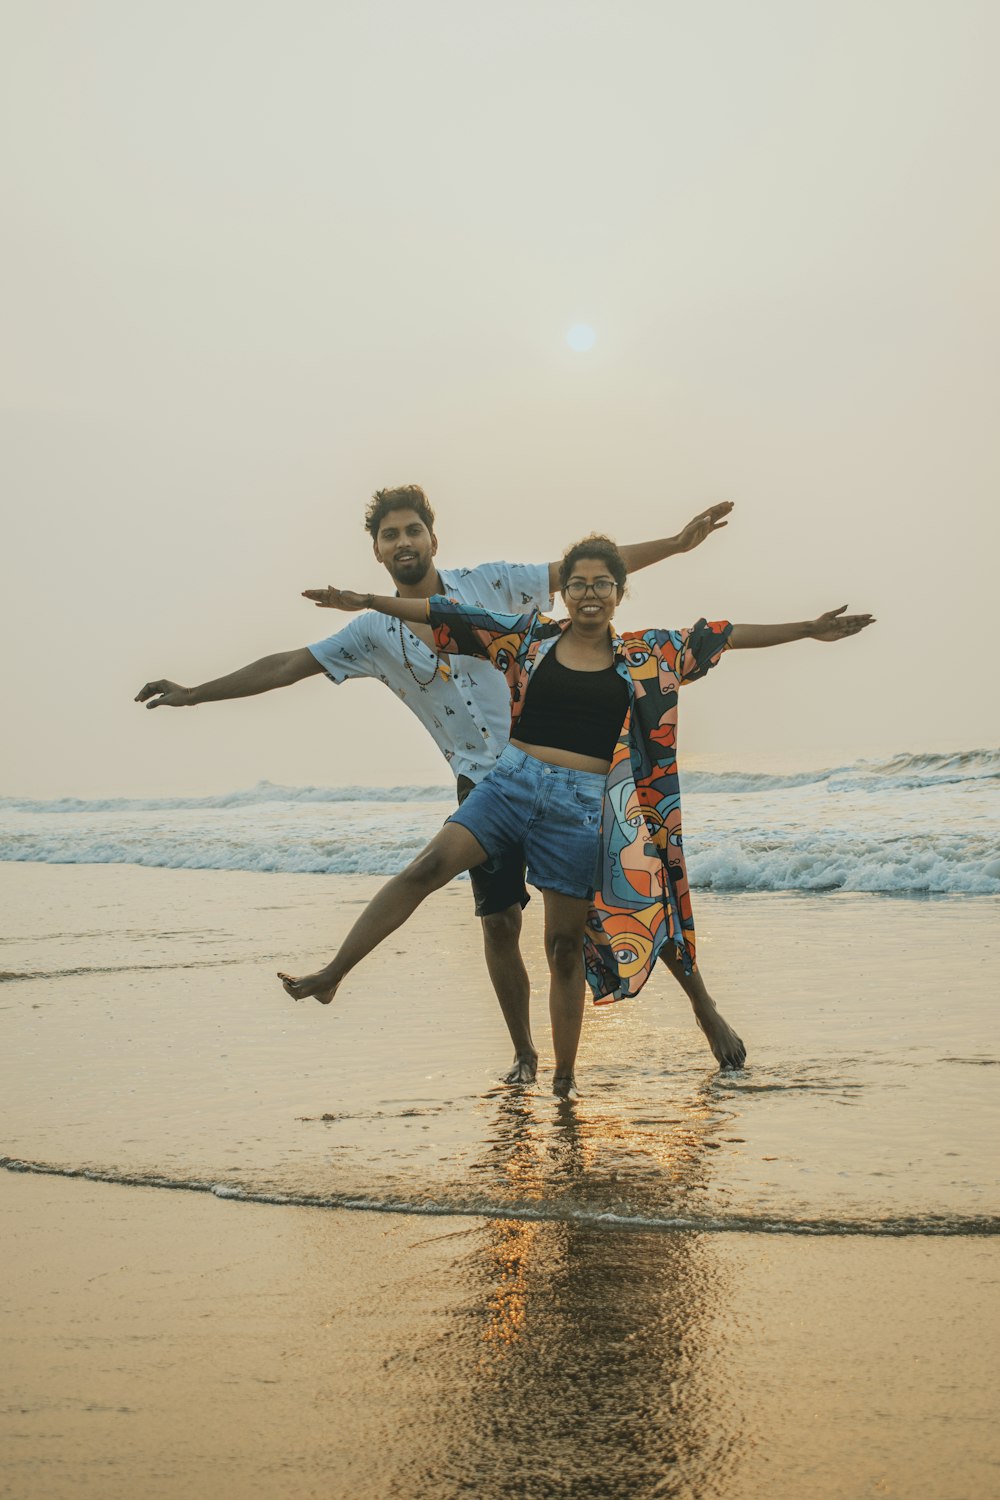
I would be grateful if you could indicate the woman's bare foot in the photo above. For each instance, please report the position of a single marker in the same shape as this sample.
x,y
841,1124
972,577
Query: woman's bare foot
x,y
525,1069
727,1048
320,985
564,1087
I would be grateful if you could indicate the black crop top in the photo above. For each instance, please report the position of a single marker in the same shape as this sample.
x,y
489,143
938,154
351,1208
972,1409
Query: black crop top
x,y
567,710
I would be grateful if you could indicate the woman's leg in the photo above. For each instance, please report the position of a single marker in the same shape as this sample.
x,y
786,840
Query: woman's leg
x,y
565,918
728,1050
449,853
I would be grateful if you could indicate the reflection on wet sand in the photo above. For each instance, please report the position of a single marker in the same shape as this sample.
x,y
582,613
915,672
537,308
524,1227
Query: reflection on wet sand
x,y
583,1359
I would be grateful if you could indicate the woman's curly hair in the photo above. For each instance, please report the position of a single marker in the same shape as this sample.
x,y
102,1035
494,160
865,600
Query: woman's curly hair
x,y
597,548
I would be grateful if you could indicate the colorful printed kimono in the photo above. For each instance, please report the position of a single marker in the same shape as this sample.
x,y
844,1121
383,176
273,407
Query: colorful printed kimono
x,y
643,902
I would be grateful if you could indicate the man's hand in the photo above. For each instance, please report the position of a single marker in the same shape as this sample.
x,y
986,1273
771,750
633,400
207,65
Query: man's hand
x,y
702,526
164,694
331,598
835,625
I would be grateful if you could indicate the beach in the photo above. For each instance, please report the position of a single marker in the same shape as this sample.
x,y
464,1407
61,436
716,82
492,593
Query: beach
x,y
256,1247
173,1345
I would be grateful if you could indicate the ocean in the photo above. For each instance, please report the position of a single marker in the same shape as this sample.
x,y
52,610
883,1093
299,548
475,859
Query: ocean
x,y
907,825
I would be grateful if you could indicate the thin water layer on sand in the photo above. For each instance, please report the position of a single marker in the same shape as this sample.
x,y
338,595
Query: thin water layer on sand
x,y
146,1039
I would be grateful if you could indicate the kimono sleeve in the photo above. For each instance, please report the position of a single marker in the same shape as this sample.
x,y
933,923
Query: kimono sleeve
x,y
465,630
701,648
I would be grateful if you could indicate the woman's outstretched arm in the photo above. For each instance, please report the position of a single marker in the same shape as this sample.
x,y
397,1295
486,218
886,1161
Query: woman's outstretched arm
x,y
413,610
459,629
835,625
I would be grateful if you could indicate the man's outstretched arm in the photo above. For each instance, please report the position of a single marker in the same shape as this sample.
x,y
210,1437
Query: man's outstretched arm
x,y
639,555
277,671
835,625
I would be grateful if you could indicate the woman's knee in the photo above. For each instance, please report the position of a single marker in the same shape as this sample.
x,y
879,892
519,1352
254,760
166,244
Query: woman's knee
x,y
428,871
564,951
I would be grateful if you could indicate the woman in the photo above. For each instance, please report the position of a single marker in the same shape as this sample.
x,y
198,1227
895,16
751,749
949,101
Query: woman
x,y
587,786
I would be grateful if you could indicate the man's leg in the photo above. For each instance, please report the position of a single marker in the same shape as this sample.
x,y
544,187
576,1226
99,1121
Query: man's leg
x,y
728,1050
501,941
450,852
500,895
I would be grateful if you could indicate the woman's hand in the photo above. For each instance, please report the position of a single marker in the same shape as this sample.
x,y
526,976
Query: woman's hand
x,y
331,598
835,624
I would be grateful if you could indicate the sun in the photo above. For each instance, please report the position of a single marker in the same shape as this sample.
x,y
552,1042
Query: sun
x,y
581,337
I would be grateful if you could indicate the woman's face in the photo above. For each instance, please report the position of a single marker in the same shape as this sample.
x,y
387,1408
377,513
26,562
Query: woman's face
x,y
591,611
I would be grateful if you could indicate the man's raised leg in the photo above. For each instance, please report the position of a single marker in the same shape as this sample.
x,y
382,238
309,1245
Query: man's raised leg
x,y
449,852
501,941
727,1049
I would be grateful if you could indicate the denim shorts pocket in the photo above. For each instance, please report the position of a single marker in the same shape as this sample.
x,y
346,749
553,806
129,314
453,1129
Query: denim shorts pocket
x,y
588,802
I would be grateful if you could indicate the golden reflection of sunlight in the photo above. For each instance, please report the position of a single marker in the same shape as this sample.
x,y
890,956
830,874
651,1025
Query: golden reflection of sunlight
x,y
681,1141
599,1159
509,1260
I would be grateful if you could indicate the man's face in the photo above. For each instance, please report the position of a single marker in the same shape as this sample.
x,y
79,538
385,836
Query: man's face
x,y
405,546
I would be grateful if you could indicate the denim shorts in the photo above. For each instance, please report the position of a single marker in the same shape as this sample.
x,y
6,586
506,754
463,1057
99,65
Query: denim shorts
x,y
553,813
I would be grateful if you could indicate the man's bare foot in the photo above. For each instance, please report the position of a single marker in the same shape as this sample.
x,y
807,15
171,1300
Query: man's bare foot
x,y
319,985
525,1069
564,1087
727,1048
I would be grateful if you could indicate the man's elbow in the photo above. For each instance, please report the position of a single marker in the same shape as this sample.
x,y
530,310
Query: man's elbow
x,y
293,666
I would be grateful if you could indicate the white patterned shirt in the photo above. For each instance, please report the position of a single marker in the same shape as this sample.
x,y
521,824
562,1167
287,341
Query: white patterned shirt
x,y
466,705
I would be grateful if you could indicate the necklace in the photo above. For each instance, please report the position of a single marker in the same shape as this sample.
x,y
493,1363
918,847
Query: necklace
x,y
421,682
409,665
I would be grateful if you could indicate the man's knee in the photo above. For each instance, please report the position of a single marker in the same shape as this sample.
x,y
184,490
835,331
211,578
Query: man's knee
x,y
502,929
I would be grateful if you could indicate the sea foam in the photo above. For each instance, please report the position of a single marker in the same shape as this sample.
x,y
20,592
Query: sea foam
x,y
910,824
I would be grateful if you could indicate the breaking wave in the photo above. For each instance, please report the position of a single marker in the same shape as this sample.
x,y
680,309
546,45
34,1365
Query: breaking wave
x,y
898,773
912,824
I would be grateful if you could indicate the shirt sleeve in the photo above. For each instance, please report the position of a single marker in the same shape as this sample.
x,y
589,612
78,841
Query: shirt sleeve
x,y
701,648
514,587
346,654
464,630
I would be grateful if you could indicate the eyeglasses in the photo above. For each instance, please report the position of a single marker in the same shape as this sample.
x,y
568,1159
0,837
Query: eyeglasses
x,y
602,587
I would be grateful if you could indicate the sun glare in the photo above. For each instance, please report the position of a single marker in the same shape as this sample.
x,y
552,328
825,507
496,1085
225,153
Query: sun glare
x,y
581,337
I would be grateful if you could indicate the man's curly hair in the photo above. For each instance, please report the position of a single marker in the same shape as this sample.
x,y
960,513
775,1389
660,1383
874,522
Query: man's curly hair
x,y
403,497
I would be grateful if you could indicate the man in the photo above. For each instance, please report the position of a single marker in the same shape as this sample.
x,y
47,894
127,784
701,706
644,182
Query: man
x,y
464,705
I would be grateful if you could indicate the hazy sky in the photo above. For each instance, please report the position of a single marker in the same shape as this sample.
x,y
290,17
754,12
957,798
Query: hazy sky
x,y
262,258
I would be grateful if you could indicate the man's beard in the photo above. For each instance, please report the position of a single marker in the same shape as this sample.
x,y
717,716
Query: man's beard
x,y
409,572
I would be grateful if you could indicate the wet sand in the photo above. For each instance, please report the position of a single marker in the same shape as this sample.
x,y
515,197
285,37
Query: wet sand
x,y
582,1304
170,1345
